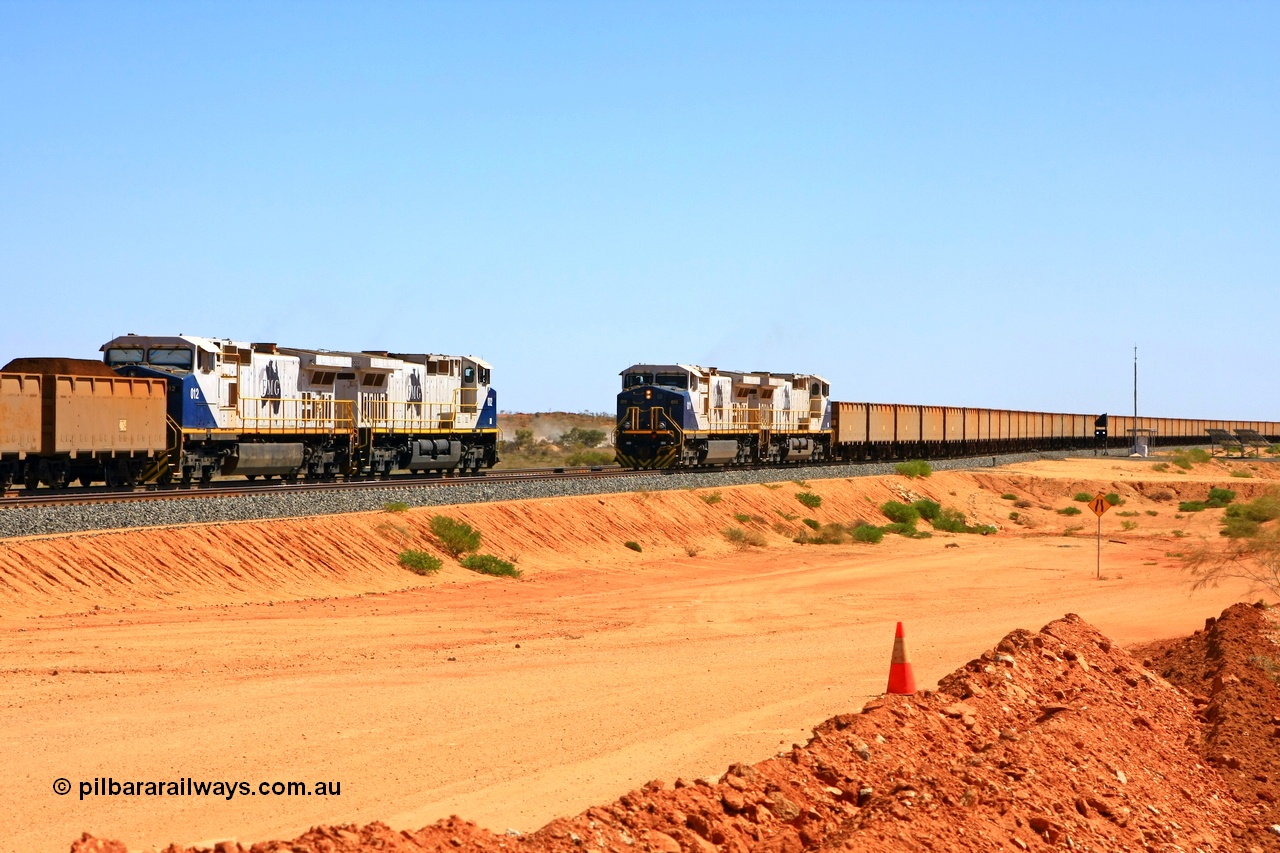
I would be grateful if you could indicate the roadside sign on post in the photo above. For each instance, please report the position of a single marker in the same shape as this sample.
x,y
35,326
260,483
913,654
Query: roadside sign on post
x,y
1099,505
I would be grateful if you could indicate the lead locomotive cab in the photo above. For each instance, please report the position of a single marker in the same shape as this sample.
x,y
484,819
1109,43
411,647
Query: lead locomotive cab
x,y
681,415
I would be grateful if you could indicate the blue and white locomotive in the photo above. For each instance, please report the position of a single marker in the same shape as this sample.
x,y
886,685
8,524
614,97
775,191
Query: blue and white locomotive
x,y
683,416
259,409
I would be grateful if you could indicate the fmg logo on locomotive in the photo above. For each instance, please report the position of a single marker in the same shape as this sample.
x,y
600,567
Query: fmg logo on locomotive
x,y
271,387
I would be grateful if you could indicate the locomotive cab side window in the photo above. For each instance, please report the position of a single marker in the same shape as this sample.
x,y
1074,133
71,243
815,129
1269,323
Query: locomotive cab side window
x,y
635,380
468,375
484,376
673,380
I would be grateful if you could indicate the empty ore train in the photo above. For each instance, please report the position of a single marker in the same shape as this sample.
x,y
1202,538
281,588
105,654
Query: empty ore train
x,y
686,416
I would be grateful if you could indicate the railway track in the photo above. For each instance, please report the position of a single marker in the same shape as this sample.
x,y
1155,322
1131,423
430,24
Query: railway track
x,y
103,495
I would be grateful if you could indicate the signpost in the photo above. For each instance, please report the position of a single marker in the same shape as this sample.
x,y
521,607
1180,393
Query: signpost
x,y
1099,505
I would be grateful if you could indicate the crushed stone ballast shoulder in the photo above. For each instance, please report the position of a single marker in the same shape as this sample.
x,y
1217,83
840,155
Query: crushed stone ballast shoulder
x,y
194,508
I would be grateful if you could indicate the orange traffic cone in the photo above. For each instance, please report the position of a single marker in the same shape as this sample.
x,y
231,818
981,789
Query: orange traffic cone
x,y
901,678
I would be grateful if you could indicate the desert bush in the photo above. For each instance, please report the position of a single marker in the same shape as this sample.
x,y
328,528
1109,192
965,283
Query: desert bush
x,y
589,458
1218,498
1239,527
692,550
1128,525
713,498
1151,512
1069,510
581,437
900,513
809,499
741,517
783,529
1128,513
786,516
868,533
1015,515
913,468
487,564
812,523
395,506
829,534
952,520
804,484
1263,508
774,486
1199,454
1268,665
1113,499
456,537
1182,462
420,562
1240,472
1160,466
1192,506
1083,497
1161,495
1008,496
1022,504
745,538
929,510
633,545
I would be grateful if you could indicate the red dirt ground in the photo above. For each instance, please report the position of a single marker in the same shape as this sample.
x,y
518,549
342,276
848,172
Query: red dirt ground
x,y
300,649
1054,739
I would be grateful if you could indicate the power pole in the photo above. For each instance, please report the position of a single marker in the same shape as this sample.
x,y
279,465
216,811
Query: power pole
x,y
1135,399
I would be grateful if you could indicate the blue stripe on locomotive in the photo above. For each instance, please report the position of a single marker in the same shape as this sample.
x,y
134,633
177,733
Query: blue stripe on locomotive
x,y
186,401
488,418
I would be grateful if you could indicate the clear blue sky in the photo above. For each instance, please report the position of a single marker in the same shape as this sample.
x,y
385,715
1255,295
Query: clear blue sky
x,y
979,204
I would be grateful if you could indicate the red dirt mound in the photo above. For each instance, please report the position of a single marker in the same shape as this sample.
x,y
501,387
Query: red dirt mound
x,y
1230,672
1052,739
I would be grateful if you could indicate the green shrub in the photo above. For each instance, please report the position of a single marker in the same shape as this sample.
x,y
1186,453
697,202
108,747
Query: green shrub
x,y
1218,498
774,486
713,498
633,545
420,562
1128,525
813,523
457,537
1262,508
900,513
809,499
899,528
1239,527
1192,506
1113,499
741,517
395,506
1151,512
487,564
589,458
1128,513
867,533
1160,466
1240,472
1069,510
913,468
1199,454
929,510
950,521
1182,462
1083,497
786,515
1007,496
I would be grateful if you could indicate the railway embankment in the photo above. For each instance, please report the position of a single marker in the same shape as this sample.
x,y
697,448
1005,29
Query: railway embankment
x,y
197,564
